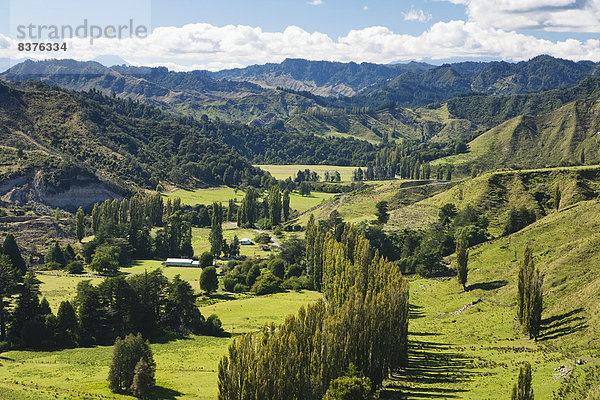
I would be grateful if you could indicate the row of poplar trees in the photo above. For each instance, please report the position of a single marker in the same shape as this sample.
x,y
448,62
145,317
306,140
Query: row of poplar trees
x,y
530,295
276,207
363,321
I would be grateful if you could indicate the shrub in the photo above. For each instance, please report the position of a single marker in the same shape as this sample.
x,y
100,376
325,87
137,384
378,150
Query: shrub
x,y
229,283
240,288
52,266
292,283
214,325
252,275
75,267
263,238
295,270
266,283
277,267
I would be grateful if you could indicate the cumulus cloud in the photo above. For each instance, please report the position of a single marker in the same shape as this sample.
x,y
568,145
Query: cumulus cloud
x,y
315,2
548,15
416,15
205,46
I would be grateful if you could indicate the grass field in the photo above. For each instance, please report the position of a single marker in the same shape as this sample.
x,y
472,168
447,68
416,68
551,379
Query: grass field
x,y
289,171
186,368
475,354
224,194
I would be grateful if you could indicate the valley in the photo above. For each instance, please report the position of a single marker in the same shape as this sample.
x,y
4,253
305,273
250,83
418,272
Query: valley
x,y
420,230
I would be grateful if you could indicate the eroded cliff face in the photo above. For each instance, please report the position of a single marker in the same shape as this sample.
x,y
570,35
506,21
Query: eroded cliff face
x,y
79,191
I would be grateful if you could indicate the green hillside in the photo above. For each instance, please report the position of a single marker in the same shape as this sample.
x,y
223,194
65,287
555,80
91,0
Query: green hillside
x,y
566,136
475,353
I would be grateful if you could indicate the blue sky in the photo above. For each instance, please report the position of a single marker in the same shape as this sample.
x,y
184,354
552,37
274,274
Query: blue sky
x,y
188,34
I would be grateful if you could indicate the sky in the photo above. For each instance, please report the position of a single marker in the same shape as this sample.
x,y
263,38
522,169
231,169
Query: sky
x,y
210,34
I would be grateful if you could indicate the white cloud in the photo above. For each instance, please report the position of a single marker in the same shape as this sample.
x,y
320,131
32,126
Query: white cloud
x,y
204,46
315,2
416,15
548,15
366,8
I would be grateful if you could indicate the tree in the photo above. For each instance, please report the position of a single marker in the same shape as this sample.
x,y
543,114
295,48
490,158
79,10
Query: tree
x,y
557,197
66,325
55,254
127,353
8,284
462,257
266,283
143,380
529,293
304,189
285,205
96,218
209,281
80,224
277,267
447,213
206,259
382,212
349,387
104,263
234,247
275,205
11,249
522,389
216,231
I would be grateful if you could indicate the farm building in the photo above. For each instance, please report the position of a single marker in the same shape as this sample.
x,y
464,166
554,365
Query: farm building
x,y
246,242
181,262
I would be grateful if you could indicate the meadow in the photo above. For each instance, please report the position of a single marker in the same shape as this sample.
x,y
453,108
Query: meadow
x,y
283,172
224,194
186,367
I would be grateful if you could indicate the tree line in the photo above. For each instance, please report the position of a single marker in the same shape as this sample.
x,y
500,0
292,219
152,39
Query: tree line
x,y
363,322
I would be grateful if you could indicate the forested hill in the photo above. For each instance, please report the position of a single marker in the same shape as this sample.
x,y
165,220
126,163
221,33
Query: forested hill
x,y
323,78
153,85
122,143
495,78
129,144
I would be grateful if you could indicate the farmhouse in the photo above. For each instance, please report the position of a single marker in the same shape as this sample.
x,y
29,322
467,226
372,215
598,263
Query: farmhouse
x,y
245,242
181,262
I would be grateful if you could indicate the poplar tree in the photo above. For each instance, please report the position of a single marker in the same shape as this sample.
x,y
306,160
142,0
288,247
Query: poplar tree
x,y
462,258
522,389
216,231
80,224
275,205
285,205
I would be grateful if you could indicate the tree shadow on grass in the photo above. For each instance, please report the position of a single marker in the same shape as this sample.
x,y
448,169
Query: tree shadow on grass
x,y
165,393
415,312
431,367
488,285
562,324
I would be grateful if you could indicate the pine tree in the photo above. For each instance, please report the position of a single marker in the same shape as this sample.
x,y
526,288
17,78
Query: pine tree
x,y
8,285
143,380
55,254
80,224
127,353
66,325
462,258
382,212
11,249
522,389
